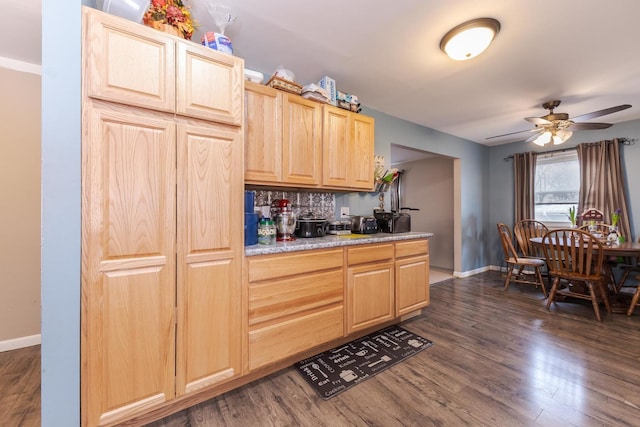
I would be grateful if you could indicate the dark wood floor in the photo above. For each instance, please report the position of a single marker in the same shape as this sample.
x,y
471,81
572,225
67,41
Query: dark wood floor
x,y
20,387
499,359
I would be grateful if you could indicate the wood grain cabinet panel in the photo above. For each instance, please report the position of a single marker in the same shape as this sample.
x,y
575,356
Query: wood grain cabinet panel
x,y
209,257
412,276
162,238
128,259
210,84
301,141
370,285
128,63
296,302
263,134
347,144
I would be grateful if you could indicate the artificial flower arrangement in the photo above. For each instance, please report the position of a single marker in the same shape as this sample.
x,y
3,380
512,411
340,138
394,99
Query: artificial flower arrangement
x,y
170,12
572,215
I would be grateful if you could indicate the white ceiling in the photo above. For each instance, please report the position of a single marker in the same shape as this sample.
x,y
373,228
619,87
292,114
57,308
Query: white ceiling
x,y
584,53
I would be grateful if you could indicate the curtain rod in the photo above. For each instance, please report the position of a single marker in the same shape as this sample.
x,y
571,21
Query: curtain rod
x,y
623,141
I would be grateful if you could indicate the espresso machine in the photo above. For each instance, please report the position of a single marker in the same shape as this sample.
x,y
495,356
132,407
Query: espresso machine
x,y
285,220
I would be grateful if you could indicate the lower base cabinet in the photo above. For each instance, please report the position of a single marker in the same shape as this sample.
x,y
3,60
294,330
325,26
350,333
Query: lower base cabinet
x,y
370,281
295,303
411,276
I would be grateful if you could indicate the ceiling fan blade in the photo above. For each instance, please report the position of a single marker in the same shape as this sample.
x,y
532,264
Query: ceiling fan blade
x,y
535,135
588,126
537,120
599,113
507,134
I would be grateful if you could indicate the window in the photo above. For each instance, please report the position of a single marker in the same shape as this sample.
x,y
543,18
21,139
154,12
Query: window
x,y
557,186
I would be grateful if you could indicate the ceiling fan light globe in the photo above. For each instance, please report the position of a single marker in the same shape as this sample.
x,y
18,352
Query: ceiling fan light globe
x,y
561,136
469,39
543,139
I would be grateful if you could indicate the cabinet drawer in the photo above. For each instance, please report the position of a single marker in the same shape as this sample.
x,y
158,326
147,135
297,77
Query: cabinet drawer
x,y
412,247
279,265
282,298
284,339
363,254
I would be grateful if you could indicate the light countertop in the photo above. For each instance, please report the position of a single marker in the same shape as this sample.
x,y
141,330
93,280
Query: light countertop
x,y
332,241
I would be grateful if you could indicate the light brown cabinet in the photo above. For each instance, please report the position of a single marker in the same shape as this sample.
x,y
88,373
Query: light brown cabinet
x,y
283,138
295,303
292,141
347,144
411,276
162,241
370,285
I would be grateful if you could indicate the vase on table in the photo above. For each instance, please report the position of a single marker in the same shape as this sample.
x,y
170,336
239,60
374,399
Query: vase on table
x,y
613,236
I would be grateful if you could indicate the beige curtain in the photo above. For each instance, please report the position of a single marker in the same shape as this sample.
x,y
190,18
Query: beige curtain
x,y
524,173
602,184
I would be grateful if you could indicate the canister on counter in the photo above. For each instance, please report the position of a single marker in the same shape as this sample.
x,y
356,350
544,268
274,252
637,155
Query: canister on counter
x,y
266,232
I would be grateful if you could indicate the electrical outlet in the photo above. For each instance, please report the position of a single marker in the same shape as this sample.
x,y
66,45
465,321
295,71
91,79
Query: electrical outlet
x,y
344,212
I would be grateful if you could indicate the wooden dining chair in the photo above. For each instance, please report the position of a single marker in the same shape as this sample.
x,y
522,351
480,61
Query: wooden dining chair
x,y
629,266
601,231
575,260
635,300
524,230
529,270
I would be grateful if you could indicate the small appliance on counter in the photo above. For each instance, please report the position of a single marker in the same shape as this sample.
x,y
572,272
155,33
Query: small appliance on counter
x,y
391,222
364,224
311,226
285,219
339,227
395,221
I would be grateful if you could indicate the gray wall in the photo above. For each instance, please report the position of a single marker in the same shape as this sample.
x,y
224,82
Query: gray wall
x,y
423,182
500,192
474,180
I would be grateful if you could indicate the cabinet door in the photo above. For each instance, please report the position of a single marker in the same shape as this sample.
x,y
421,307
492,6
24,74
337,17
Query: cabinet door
x,y
336,139
210,242
361,152
128,260
370,295
210,84
127,62
262,134
412,284
302,139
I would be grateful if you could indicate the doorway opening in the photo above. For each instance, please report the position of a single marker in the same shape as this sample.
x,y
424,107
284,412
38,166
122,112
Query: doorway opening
x,y
430,183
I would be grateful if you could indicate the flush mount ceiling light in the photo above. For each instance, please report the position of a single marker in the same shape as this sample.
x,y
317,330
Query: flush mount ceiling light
x,y
469,39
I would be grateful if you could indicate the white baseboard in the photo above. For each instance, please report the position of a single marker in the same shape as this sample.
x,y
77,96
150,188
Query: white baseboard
x,y
24,67
21,342
463,274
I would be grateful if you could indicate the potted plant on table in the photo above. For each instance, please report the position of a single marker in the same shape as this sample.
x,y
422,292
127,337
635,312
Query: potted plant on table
x,y
572,216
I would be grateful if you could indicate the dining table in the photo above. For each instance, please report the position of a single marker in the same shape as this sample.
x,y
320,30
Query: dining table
x,y
612,251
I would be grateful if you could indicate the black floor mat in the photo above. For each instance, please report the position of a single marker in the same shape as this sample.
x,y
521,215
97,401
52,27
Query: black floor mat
x,y
336,370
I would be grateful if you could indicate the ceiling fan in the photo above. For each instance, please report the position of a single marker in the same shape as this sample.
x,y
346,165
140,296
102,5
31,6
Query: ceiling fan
x,y
558,127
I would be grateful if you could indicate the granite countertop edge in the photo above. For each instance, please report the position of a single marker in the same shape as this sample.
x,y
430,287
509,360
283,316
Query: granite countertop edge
x,y
305,244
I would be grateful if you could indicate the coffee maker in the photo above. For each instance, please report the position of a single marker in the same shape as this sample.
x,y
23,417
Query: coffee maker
x,y
285,219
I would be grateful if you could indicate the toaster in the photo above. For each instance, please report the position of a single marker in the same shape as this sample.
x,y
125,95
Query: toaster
x,y
390,222
364,225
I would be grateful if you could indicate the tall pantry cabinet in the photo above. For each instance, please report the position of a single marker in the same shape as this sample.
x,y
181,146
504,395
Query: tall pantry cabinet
x,y
162,238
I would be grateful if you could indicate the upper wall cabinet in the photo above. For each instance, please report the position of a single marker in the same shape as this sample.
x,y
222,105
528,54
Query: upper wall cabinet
x,y
138,66
292,141
115,52
283,138
209,86
347,144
